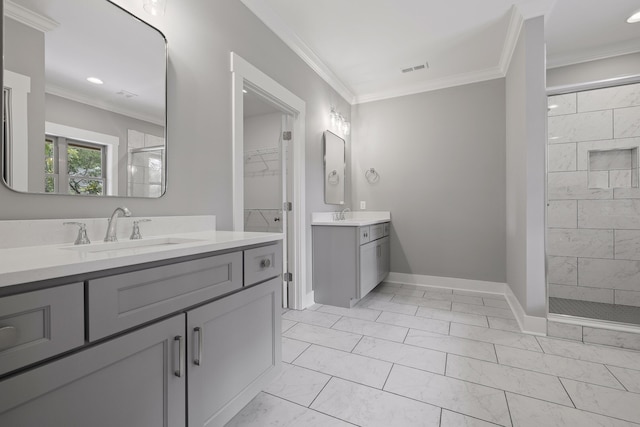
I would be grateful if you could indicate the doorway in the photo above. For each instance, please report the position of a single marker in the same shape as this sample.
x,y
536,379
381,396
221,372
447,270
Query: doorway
x,y
593,204
267,181
269,168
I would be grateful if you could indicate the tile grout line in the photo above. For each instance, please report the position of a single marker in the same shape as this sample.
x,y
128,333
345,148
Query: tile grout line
x,y
508,407
616,377
321,390
565,390
354,347
446,363
387,379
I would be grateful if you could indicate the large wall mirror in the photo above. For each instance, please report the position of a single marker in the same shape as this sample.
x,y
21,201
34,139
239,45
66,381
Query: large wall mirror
x,y
334,169
84,100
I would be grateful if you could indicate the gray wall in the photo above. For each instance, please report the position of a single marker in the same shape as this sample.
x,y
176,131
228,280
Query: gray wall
x,y
441,159
24,54
603,69
525,142
75,114
201,34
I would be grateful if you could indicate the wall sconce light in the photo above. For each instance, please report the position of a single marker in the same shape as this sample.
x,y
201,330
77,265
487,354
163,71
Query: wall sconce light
x,y
339,123
154,7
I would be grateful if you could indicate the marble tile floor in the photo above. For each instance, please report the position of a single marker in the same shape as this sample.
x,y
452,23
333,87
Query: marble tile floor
x,y
399,359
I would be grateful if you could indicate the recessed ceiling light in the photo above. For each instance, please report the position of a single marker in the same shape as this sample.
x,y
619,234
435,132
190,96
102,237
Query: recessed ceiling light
x,y
634,18
95,80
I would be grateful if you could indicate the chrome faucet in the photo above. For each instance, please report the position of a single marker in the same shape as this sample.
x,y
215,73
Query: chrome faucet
x,y
111,229
345,210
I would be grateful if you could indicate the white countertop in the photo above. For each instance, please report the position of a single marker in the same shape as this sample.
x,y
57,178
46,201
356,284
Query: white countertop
x,y
33,263
351,219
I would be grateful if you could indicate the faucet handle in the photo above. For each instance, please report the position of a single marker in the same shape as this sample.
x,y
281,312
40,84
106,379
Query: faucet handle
x,y
82,238
135,233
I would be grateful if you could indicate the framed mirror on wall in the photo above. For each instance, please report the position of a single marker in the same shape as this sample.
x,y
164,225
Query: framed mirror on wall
x,y
334,168
84,100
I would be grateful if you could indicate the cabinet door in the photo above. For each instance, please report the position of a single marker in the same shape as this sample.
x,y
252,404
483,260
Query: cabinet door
x,y
383,258
128,381
234,351
368,268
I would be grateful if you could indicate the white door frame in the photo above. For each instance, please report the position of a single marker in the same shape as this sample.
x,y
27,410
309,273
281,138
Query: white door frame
x,y
244,74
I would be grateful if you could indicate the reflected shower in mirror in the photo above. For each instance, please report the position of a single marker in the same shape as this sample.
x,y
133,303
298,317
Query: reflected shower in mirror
x,y
334,169
84,100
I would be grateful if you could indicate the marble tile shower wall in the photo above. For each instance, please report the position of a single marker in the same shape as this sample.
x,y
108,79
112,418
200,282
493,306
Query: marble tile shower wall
x,y
593,211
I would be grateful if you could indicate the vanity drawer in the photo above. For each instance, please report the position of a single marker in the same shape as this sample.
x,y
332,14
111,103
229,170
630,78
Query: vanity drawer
x,y
262,263
364,235
376,231
387,228
123,301
40,324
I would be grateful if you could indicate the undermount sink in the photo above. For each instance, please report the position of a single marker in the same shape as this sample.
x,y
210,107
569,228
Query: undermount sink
x,y
130,244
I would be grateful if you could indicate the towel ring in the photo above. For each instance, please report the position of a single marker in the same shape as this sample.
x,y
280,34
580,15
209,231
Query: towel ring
x,y
372,176
333,177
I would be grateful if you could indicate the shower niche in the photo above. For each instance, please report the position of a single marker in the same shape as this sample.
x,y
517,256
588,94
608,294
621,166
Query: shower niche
x,y
614,168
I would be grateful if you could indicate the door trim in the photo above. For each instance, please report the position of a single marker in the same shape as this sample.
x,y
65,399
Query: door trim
x,y
244,74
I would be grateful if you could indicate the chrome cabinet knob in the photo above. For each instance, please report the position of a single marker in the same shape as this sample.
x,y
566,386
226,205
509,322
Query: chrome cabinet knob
x,y
8,337
265,263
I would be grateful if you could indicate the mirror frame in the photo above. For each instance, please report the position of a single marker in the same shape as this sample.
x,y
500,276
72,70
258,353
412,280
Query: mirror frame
x,y
335,174
3,150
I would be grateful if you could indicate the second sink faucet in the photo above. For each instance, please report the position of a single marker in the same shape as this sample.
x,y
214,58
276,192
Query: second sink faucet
x,y
345,210
111,229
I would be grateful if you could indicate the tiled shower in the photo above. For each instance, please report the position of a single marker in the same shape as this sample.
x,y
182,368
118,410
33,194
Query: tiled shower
x,y
593,208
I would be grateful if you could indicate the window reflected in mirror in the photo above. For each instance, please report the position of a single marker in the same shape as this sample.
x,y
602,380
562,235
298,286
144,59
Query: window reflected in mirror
x,y
88,79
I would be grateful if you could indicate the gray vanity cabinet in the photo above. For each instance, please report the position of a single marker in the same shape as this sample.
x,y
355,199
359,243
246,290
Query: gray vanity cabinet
x,y
40,324
234,352
191,341
348,262
374,264
128,381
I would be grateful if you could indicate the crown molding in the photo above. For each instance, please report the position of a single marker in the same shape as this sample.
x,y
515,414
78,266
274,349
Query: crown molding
x,y
516,21
295,43
28,17
63,93
427,86
625,48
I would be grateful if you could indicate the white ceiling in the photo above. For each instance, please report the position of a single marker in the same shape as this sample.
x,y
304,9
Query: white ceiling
x,y
361,46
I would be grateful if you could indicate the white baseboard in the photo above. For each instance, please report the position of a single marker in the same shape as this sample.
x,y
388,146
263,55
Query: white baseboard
x,y
529,324
307,300
447,283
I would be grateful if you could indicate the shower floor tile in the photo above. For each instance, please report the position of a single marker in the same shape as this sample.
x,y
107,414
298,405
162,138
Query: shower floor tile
x,y
595,310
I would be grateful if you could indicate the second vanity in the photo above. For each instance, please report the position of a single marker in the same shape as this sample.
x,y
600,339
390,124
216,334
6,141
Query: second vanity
x,y
182,333
351,255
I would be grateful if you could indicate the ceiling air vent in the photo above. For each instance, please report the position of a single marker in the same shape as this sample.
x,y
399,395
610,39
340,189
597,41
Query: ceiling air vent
x,y
126,94
416,68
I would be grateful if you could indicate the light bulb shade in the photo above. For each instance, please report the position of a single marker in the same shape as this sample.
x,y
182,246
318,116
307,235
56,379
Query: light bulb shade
x,y
154,7
334,119
346,128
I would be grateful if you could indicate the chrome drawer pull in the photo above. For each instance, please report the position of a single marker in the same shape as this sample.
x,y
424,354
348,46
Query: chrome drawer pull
x,y
198,360
265,263
8,336
178,372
